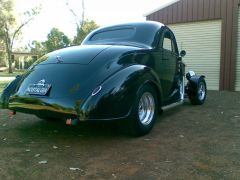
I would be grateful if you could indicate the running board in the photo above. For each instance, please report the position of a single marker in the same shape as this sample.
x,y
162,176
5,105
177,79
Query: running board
x,y
170,106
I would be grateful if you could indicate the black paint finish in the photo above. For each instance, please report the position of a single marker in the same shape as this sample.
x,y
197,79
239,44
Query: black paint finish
x,y
119,65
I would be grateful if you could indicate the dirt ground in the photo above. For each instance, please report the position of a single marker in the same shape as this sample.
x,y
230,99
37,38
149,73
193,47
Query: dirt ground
x,y
188,142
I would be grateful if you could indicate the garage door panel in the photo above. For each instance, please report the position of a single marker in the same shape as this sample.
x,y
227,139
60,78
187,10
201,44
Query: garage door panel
x,y
202,42
237,83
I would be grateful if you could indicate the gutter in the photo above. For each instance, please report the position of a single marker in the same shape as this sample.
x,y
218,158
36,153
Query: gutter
x,y
160,8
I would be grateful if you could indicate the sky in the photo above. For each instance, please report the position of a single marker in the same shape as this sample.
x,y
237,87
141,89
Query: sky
x,y
55,13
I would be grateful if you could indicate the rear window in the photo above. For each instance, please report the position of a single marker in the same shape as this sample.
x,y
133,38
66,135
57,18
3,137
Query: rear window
x,y
113,34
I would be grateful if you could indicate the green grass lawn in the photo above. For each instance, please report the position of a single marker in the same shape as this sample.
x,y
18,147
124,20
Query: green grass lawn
x,y
2,85
14,74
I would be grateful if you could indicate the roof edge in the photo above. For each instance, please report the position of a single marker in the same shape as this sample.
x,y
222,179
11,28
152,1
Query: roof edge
x,y
161,7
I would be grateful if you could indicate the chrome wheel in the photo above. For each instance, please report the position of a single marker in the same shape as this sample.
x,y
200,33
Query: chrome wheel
x,y
201,91
144,112
146,108
197,95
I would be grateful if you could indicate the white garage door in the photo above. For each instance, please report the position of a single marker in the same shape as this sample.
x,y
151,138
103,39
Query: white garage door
x,y
202,42
237,87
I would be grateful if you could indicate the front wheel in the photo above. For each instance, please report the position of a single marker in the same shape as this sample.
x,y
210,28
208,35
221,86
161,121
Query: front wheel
x,y
200,95
144,112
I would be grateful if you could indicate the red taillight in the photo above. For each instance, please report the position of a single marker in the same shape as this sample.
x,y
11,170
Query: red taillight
x,y
71,122
12,113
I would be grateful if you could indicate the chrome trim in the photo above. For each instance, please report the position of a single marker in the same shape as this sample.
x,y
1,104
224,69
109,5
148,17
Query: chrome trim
x,y
96,90
170,106
182,89
41,82
59,59
201,91
190,74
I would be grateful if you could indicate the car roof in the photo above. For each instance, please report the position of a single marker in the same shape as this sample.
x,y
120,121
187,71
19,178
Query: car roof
x,y
145,32
150,24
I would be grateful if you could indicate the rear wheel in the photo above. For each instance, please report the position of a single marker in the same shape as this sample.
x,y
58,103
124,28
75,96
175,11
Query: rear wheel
x,y
199,97
144,112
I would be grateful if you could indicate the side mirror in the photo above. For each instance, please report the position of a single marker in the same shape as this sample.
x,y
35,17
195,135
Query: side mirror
x,y
182,53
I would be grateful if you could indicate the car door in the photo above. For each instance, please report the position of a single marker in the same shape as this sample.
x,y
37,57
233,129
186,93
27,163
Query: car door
x,y
167,66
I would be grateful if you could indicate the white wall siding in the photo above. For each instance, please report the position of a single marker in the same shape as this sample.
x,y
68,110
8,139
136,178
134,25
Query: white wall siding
x,y
202,42
237,82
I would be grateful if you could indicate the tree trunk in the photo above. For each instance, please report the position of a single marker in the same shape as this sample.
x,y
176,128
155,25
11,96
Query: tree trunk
x,y
8,46
9,62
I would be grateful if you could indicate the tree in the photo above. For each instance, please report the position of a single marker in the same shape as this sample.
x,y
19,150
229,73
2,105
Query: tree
x,y
56,40
37,47
84,27
83,31
2,53
8,25
78,20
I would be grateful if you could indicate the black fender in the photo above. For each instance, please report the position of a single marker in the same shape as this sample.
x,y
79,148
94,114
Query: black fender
x,y
192,84
118,93
9,90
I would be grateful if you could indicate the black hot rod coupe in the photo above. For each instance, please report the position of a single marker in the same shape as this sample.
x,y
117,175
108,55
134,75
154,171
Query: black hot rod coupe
x,y
129,71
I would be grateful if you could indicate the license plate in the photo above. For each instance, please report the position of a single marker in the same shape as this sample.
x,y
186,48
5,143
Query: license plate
x,y
38,89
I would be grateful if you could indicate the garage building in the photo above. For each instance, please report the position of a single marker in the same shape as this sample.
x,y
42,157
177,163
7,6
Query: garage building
x,y
208,30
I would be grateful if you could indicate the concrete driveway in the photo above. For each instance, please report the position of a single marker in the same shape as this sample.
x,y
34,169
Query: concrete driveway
x,y
188,142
